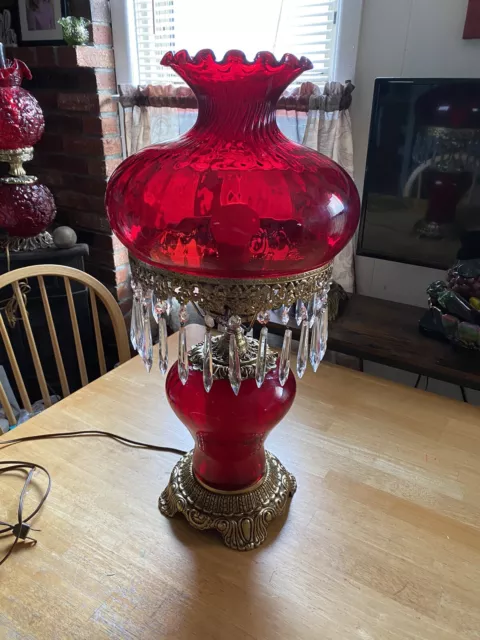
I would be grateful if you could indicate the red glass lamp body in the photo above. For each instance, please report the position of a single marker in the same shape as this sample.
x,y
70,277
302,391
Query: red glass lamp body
x,y
229,431
21,118
25,209
233,197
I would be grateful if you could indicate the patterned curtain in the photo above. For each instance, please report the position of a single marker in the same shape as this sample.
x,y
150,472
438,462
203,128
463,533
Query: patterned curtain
x,y
329,131
153,114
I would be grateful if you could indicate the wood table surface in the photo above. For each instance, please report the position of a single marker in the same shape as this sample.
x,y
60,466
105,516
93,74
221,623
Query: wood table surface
x,y
382,539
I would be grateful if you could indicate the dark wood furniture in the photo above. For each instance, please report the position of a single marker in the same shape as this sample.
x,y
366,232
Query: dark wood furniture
x,y
387,332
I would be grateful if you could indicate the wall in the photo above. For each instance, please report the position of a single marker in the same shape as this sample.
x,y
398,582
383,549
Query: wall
x,y
405,38
81,145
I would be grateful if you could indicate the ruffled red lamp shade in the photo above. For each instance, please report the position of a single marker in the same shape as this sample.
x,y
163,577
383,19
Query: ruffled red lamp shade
x,y
233,197
238,219
26,207
21,118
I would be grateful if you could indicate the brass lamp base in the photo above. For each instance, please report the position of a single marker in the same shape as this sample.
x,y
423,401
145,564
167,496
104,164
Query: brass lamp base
x,y
242,517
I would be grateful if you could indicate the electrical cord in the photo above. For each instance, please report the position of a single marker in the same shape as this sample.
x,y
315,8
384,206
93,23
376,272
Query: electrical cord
x,y
21,529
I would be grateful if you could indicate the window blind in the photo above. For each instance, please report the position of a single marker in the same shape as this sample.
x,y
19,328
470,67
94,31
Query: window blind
x,y
302,27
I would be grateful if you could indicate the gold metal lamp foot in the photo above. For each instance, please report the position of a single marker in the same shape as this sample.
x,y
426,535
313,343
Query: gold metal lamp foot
x,y
242,517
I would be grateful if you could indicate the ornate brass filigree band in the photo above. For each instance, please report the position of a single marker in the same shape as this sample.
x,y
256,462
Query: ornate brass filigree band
x,y
243,297
16,158
18,179
242,517
220,358
43,240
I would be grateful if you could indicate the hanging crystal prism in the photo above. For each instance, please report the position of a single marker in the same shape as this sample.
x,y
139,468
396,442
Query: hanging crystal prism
x,y
145,347
136,320
207,361
207,353
234,371
182,355
261,365
155,309
315,344
323,331
182,363
284,366
162,345
312,310
300,312
302,357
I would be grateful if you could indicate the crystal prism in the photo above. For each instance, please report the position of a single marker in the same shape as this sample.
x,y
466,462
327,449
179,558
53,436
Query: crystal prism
x,y
323,330
300,312
285,314
284,366
302,357
234,372
207,362
162,345
155,310
136,321
315,344
261,365
145,348
312,310
182,355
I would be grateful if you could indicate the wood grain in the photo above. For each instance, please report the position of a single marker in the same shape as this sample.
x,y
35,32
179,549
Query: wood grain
x,y
382,539
33,345
54,339
14,365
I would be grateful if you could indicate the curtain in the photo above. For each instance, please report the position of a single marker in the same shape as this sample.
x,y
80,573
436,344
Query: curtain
x,y
329,131
153,114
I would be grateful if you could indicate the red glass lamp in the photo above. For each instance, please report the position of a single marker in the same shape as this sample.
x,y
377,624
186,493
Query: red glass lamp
x,y
26,207
238,219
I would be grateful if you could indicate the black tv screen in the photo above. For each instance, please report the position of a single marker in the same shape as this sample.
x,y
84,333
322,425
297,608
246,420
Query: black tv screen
x,y
421,198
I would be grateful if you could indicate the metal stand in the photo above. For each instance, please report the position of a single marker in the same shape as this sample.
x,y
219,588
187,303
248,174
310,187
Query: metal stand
x,y
241,517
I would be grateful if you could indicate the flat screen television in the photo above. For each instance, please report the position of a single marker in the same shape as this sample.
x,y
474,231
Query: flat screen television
x,y
421,197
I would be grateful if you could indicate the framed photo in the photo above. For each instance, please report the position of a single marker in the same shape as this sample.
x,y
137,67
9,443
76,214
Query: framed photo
x,y
39,21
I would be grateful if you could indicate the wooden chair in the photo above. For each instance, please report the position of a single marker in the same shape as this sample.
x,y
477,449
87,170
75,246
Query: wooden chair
x,y
96,289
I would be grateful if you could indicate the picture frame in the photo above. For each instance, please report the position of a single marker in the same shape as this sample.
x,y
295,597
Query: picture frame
x,y
39,21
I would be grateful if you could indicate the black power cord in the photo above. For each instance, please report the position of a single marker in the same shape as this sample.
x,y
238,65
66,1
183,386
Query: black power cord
x,y
21,529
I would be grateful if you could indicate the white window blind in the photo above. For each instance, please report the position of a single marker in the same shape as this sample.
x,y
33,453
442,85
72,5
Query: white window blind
x,y
302,27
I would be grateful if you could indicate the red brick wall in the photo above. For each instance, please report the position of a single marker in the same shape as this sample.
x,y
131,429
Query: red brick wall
x,y
81,145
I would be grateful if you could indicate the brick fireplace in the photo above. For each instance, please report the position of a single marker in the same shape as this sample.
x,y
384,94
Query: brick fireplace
x,y
81,146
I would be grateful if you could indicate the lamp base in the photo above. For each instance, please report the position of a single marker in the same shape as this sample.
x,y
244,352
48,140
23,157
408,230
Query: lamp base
x,y
42,240
241,517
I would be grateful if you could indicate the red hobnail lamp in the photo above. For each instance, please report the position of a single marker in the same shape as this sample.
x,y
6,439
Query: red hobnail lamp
x,y
21,118
229,431
25,209
233,197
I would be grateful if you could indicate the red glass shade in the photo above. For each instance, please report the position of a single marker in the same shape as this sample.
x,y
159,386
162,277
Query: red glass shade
x,y
229,431
25,209
233,197
21,118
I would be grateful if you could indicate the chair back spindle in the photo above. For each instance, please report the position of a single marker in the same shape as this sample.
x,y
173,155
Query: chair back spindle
x,y
97,291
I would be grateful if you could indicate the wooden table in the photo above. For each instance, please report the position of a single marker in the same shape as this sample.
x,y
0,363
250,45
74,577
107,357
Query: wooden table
x,y
387,332
382,539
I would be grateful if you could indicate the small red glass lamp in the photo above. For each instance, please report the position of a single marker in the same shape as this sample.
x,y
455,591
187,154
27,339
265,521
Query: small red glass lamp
x,y
26,207
238,219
